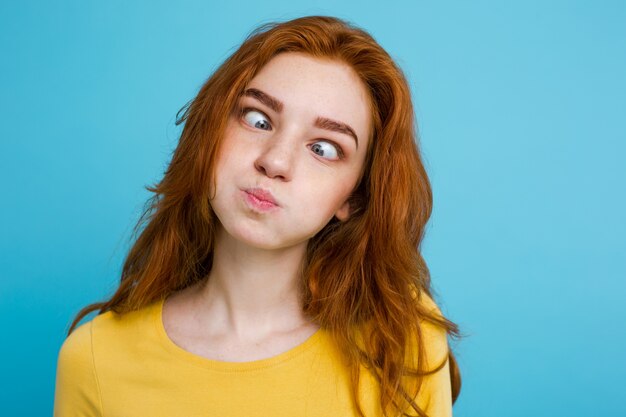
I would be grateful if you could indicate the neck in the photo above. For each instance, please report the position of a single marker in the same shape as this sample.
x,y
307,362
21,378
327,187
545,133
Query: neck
x,y
250,291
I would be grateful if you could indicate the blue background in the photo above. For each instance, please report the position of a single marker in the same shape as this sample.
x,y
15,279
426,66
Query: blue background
x,y
521,109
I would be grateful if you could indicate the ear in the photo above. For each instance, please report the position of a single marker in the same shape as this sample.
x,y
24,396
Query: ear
x,y
343,213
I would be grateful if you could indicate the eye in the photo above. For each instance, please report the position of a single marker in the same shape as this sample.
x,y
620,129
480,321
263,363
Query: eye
x,y
327,150
256,119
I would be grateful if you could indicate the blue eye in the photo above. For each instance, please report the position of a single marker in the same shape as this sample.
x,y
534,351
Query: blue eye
x,y
252,118
326,150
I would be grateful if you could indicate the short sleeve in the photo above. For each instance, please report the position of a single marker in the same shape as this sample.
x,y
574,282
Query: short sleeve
x,y
76,391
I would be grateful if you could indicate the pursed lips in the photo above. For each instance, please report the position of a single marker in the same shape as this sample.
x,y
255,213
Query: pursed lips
x,y
261,194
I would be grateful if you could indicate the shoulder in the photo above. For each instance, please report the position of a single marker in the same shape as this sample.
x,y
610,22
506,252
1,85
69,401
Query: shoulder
x,y
96,353
435,393
76,351
81,348
77,389
434,336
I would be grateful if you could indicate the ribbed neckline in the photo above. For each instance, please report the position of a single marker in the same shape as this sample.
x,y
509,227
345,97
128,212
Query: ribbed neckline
x,y
192,358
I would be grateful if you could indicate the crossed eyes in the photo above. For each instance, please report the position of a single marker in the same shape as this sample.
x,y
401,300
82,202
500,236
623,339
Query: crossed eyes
x,y
323,148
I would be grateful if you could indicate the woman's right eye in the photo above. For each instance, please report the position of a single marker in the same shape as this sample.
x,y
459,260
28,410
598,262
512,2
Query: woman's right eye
x,y
256,119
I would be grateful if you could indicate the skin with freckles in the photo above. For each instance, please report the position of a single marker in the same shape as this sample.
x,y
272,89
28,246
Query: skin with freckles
x,y
293,151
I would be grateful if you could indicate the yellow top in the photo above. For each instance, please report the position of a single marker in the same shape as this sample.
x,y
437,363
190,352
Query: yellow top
x,y
128,366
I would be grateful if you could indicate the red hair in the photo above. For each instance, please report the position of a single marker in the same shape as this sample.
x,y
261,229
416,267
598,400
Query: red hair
x,y
365,273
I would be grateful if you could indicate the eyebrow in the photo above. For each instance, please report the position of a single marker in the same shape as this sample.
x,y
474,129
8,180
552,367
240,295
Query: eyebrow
x,y
321,122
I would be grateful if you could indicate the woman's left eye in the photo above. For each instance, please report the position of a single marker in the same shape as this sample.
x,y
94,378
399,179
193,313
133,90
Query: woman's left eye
x,y
256,119
326,150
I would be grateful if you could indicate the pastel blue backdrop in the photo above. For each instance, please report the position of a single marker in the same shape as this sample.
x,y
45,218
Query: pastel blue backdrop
x,y
521,109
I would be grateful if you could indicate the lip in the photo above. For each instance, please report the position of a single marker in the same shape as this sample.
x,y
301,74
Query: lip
x,y
260,199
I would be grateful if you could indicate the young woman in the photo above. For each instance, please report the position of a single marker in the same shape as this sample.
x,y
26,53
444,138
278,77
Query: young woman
x,y
277,270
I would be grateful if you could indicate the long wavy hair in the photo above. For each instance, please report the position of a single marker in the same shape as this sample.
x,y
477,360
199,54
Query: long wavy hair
x,y
365,273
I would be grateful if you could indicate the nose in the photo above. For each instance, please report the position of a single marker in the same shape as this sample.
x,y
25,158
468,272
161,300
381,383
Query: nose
x,y
277,158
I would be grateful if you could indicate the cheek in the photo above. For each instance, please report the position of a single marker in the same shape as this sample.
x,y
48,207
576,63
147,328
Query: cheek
x,y
326,197
230,159
230,143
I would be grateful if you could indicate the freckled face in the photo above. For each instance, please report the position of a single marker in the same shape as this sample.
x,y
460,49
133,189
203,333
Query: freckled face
x,y
292,152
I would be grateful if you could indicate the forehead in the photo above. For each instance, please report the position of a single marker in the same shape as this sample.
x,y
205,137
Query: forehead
x,y
311,87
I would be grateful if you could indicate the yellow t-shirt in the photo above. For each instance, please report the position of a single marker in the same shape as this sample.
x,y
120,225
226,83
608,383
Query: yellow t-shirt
x,y
127,366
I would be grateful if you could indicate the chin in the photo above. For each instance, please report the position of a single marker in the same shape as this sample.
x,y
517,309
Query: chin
x,y
275,242
253,238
